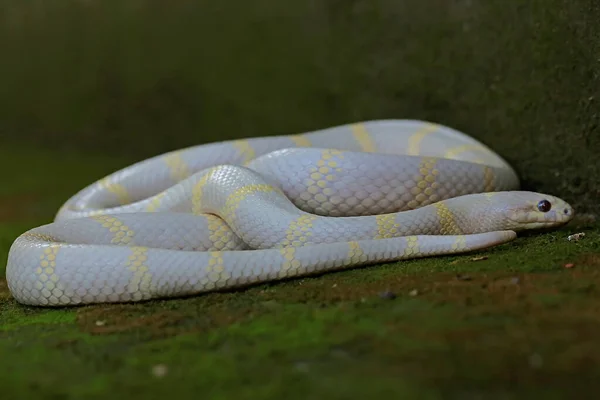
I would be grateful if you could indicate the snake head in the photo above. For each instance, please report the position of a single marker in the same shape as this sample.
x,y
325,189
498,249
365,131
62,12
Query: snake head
x,y
531,210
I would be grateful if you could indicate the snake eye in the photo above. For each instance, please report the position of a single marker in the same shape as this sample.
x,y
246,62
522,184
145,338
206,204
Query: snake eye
x,y
544,206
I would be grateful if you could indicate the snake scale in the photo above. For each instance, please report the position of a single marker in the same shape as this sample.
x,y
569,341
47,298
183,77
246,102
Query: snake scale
x,y
233,213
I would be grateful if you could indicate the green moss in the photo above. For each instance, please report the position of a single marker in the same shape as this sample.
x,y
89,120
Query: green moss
x,y
11,320
254,343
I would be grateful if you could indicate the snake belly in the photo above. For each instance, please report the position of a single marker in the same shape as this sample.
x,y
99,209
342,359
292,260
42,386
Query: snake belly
x,y
228,214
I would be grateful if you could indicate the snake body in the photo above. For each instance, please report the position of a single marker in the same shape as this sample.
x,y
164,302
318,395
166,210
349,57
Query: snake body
x,y
232,213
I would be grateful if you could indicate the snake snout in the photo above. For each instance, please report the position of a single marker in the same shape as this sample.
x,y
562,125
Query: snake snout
x,y
530,210
563,211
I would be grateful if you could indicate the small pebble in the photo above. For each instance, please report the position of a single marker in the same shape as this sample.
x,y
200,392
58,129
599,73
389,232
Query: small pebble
x,y
159,370
515,280
100,323
413,292
570,265
387,295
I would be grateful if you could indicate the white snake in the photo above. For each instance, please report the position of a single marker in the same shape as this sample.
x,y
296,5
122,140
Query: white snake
x,y
233,213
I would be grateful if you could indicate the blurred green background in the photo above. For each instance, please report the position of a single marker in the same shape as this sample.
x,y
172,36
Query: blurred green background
x,y
139,77
89,86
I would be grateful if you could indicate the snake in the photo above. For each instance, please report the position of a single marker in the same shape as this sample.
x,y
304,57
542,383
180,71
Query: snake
x,y
239,212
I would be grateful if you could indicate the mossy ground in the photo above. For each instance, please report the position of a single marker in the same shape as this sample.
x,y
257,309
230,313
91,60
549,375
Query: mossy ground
x,y
512,324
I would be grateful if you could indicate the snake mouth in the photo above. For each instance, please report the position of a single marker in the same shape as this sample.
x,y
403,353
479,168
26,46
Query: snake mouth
x,y
544,224
540,220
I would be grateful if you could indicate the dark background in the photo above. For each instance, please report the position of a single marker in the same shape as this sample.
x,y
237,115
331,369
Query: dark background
x,y
137,78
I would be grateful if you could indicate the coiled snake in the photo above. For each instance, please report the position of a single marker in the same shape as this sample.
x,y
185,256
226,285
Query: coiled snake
x,y
233,213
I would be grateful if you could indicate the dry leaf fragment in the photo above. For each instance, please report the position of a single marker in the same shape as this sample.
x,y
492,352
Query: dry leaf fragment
x,y
575,237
